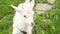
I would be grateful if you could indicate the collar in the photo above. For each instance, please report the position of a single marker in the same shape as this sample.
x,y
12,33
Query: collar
x,y
23,32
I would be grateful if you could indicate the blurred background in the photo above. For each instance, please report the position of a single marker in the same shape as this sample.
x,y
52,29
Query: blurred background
x,y
47,16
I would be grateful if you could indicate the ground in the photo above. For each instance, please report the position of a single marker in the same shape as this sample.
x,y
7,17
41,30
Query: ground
x,y
49,25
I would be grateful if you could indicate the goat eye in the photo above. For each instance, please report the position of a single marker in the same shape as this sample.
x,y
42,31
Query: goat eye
x,y
24,15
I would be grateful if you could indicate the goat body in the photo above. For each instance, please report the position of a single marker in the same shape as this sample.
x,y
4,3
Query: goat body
x,y
23,18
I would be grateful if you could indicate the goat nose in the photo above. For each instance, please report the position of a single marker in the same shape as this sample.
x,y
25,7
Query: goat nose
x,y
32,23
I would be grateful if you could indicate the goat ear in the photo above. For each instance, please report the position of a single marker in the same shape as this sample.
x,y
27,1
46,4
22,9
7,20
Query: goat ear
x,y
14,7
32,4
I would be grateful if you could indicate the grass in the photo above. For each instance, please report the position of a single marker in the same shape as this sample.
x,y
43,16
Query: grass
x,y
48,27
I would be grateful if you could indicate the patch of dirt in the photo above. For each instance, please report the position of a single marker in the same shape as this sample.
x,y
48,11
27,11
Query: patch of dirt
x,y
0,20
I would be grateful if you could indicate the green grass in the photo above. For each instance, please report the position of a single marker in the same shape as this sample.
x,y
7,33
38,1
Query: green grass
x,y
48,27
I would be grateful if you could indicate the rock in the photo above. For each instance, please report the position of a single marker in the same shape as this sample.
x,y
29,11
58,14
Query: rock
x,y
42,7
51,1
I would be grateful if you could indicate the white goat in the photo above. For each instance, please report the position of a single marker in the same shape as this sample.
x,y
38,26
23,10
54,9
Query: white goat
x,y
23,20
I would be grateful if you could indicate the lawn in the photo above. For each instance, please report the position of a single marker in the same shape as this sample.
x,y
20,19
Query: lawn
x,y
51,26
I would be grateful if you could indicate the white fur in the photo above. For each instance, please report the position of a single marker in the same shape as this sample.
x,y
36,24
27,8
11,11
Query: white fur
x,y
19,21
